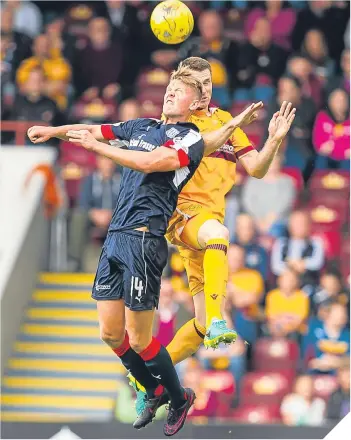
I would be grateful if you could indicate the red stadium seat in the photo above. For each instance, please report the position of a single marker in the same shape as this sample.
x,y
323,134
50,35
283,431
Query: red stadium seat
x,y
276,354
265,387
223,384
325,218
76,162
153,78
296,176
324,385
336,182
331,241
259,414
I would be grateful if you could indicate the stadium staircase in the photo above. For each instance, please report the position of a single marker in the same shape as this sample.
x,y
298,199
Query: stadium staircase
x,y
59,369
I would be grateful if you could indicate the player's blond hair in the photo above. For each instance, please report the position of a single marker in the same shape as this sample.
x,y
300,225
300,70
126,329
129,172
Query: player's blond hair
x,y
184,75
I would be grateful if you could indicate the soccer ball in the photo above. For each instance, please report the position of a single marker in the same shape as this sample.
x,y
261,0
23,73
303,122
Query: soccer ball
x,y
172,22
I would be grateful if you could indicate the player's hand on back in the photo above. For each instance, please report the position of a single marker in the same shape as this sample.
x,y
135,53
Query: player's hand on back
x,y
248,116
281,121
38,134
82,137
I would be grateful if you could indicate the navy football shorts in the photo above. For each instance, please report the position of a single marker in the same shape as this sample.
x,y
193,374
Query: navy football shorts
x,y
130,268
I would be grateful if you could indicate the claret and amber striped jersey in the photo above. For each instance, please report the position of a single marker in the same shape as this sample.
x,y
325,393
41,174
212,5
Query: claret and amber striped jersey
x,y
216,173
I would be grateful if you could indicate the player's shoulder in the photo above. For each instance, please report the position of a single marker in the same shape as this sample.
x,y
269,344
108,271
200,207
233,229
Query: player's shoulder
x,y
181,129
221,114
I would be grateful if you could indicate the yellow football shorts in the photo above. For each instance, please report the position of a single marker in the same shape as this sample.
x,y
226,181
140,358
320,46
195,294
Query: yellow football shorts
x,y
183,231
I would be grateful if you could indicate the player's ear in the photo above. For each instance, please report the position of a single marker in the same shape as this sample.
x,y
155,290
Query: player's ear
x,y
194,105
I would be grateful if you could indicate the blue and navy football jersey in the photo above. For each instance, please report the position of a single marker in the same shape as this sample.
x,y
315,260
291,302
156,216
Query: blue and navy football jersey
x,y
150,199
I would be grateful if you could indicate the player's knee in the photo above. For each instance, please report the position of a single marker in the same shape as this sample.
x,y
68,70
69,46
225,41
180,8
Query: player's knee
x,y
113,339
212,230
138,342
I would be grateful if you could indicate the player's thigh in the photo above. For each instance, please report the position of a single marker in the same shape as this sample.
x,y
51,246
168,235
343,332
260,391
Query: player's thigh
x,y
111,321
139,326
144,261
108,278
193,261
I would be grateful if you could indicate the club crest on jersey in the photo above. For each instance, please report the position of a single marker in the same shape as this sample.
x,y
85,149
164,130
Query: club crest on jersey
x,y
172,132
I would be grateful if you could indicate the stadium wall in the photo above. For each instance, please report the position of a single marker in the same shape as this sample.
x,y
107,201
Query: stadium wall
x,y
24,234
116,430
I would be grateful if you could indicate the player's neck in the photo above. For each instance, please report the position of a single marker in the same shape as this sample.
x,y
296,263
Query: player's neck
x,y
175,119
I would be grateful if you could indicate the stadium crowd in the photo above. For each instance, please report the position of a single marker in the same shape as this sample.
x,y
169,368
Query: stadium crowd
x,y
288,290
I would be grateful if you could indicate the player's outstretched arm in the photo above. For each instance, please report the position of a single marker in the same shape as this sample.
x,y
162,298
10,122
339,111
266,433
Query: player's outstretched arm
x,y
159,160
39,134
257,163
215,139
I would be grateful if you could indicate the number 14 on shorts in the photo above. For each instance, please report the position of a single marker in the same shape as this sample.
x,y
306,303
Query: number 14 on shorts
x,y
136,288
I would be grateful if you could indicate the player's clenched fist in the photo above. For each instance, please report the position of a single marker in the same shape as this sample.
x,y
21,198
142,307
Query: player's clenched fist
x,y
38,134
82,137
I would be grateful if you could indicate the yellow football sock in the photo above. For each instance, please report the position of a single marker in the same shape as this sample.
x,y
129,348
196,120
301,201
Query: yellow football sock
x,y
186,341
215,275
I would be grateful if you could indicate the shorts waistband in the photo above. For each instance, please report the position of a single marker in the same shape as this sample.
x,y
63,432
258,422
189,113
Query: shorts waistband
x,y
135,233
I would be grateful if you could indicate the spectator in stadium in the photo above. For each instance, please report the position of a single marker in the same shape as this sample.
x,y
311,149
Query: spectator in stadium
x,y
27,17
128,110
299,150
287,307
219,51
300,407
100,50
231,358
330,289
15,46
341,81
331,132
338,405
32,105
301,68
330,17
244,292
329,341
260,59
167,314
207,400
315,48
97,199
56,69
246,237
299,252
281,18
62,44
262,199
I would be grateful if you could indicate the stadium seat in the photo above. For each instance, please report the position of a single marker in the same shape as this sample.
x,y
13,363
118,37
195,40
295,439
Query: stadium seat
x,y
331,241
76,162
276,354
259,414
325,218
296,175
336,182
324,385
265,387
222,383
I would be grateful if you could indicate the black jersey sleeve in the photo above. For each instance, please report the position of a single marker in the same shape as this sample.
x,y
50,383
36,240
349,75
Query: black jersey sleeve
x,y
190,147
121,130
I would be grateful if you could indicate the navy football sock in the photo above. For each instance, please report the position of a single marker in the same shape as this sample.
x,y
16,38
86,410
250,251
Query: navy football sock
x,y
135,364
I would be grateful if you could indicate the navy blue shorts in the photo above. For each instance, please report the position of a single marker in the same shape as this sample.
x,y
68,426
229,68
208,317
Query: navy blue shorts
x,y
130,268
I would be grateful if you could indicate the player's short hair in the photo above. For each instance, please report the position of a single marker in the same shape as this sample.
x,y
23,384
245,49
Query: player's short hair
x,y
196,63
184,74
